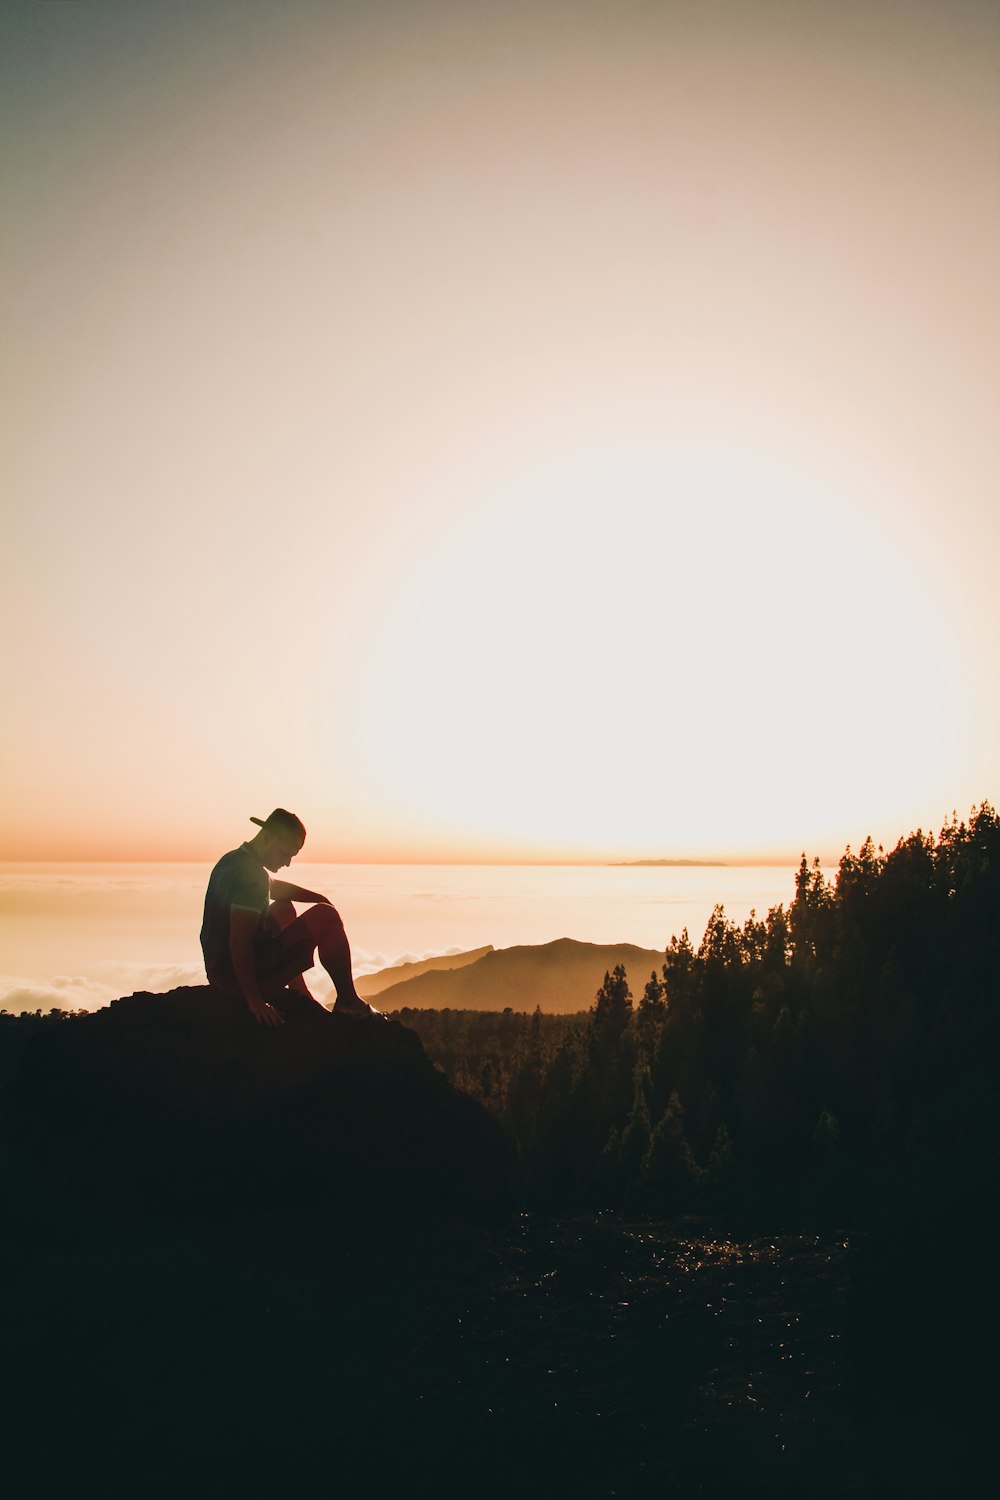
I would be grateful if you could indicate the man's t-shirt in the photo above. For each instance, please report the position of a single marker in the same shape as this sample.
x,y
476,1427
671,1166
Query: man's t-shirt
x,y
239,879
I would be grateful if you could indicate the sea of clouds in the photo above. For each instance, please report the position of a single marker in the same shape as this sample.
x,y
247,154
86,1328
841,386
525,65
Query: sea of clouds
x,y
75,992
82,992
78,937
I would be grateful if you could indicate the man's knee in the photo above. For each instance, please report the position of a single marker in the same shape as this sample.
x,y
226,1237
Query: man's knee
x,y
281,913
325,921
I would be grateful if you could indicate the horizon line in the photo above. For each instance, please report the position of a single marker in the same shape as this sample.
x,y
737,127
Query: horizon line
x,y
740,862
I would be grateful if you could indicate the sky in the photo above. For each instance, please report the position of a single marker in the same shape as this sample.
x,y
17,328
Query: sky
x,y
511,431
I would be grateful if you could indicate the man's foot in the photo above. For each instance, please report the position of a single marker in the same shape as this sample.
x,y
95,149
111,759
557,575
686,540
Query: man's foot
x,y
357,1009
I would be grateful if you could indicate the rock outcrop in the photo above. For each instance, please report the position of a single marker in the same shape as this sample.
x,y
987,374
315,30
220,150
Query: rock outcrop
x,y
180,1104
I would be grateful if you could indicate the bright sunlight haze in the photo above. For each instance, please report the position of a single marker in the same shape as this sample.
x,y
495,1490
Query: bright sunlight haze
x,y
499,432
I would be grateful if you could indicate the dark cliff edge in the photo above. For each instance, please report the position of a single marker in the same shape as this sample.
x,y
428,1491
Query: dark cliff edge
x,y
179,1106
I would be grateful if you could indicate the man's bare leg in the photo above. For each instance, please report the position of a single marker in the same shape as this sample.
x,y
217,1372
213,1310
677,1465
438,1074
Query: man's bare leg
x,y
334,953
282,913
321,926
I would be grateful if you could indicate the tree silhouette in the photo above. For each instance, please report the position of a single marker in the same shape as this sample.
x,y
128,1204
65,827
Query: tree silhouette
x,y
838,1056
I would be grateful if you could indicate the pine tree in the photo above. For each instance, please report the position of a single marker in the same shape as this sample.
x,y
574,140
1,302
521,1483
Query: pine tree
x,y
721,1161
612,1008
669,1170
637,1133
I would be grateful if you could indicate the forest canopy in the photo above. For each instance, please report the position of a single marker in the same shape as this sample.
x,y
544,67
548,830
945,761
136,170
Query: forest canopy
x,y
836,1058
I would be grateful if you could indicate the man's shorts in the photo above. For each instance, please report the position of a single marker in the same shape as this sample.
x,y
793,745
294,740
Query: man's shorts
x,y
283,954
280,955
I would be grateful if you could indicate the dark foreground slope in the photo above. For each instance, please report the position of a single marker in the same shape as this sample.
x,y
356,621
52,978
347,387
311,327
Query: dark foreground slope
x,y
179,1106
591,1357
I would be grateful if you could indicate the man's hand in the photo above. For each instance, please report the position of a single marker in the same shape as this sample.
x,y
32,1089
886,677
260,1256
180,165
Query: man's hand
x,y
264,1012
242,925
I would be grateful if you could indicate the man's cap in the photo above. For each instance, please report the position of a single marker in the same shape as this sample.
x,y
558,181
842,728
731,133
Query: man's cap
x,y
282,821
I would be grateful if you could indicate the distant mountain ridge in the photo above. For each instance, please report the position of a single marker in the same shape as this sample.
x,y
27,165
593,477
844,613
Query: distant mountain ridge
x,y
382,979
562,977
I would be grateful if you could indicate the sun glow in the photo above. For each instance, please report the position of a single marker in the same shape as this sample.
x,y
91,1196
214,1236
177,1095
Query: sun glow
x,y
498,432
657,656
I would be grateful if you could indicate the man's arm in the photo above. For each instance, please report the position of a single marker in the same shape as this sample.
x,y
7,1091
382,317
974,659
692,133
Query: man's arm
x,y
242,926
283,890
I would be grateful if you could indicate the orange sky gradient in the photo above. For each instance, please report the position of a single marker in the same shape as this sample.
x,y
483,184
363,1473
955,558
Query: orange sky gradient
x,y
509,432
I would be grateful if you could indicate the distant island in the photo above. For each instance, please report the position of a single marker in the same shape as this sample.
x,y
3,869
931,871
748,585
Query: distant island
x,y
682,864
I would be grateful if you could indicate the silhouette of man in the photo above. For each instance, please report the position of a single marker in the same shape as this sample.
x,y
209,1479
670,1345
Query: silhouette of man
x,y
254,944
